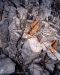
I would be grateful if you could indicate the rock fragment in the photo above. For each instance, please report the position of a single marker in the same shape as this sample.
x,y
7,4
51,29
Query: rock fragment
x,y
7,66
50,67
31,49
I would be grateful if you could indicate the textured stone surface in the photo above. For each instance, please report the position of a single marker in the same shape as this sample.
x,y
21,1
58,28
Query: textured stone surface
x,y
29,50
0,43
6,66
16,2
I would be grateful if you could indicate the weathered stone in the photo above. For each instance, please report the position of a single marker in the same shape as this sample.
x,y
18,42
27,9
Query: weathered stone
x,y
31,49
24,3
55,6
22,12
16,2
11,50
14,36
7,66
37,72
35,69
51,55
1,9
7,8
58,48
4,32
12,31
57,55
50,67
58,66
33,44
12,13
1,44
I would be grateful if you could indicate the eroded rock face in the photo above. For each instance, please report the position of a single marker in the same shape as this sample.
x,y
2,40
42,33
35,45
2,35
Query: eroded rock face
x,y
28,50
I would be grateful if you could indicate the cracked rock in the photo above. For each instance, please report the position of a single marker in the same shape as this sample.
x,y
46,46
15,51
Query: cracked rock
x,y
51,55
50,67
37,69
16,2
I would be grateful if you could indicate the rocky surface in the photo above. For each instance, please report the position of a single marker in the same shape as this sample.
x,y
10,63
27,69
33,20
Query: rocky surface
x,y
29,37
6,66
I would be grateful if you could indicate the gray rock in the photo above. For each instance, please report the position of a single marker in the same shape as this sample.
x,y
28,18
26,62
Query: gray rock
x,y
16,2
37,70
30,48
33,44
6,66
57,54
12,31
58,48
14,36
7,8
24,3
22,12
11,51
50,66
12,12
1,5
4,32
1,9
51,55
0,43
58,66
